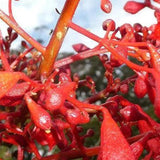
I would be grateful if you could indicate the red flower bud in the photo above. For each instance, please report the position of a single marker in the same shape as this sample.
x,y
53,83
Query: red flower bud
x,y
124,88
43,138
140,87
106,6
137,27
64,77
54,99
131,113
108,22
77,117
24,44
151,93
115,62
133,7
9,30
90,132
40,116
15,95
13,36
80,47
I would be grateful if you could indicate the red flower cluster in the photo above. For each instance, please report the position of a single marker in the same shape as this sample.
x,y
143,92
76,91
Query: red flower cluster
x,y
39,105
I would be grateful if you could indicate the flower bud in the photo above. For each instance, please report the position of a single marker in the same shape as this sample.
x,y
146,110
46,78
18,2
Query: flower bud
x,y
80,47
107,23
9,30
40,116
130,113
90,132
137,27
106,6
24,44
75,116
13,36
124,88
140,87
133,7
54,99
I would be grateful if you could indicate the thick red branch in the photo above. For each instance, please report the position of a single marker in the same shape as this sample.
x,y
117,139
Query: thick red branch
x,y
57,38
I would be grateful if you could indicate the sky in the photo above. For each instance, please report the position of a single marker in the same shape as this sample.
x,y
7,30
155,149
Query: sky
x,y
38,17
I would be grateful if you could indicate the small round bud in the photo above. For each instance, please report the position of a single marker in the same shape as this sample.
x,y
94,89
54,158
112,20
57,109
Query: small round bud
x,y
140,87
90,132
124,88
107,23
137,27
106,6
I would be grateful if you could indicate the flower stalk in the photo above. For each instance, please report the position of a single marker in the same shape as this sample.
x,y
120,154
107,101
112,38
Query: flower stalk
x,y
57,38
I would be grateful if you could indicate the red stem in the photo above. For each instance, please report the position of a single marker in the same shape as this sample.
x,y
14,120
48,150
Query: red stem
x,y
5,63
99,39
106,44
10,11
3,56
133,44
79,56
57,38
84,32
21,56
126,61
21,32
72,154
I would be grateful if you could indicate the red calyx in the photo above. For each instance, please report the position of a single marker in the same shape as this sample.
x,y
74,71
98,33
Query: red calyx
x,y
44,138
140,87
54,99
106,6
124,88
14,95
131,113
40,116
75,116
108,22
137,27
80,47
115,62
133,7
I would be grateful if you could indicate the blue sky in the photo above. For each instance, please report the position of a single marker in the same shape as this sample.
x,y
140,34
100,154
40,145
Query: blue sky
x,y
31,14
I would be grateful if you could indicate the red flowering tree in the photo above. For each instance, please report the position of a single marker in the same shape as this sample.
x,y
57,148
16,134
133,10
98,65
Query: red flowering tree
x,y
39,101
